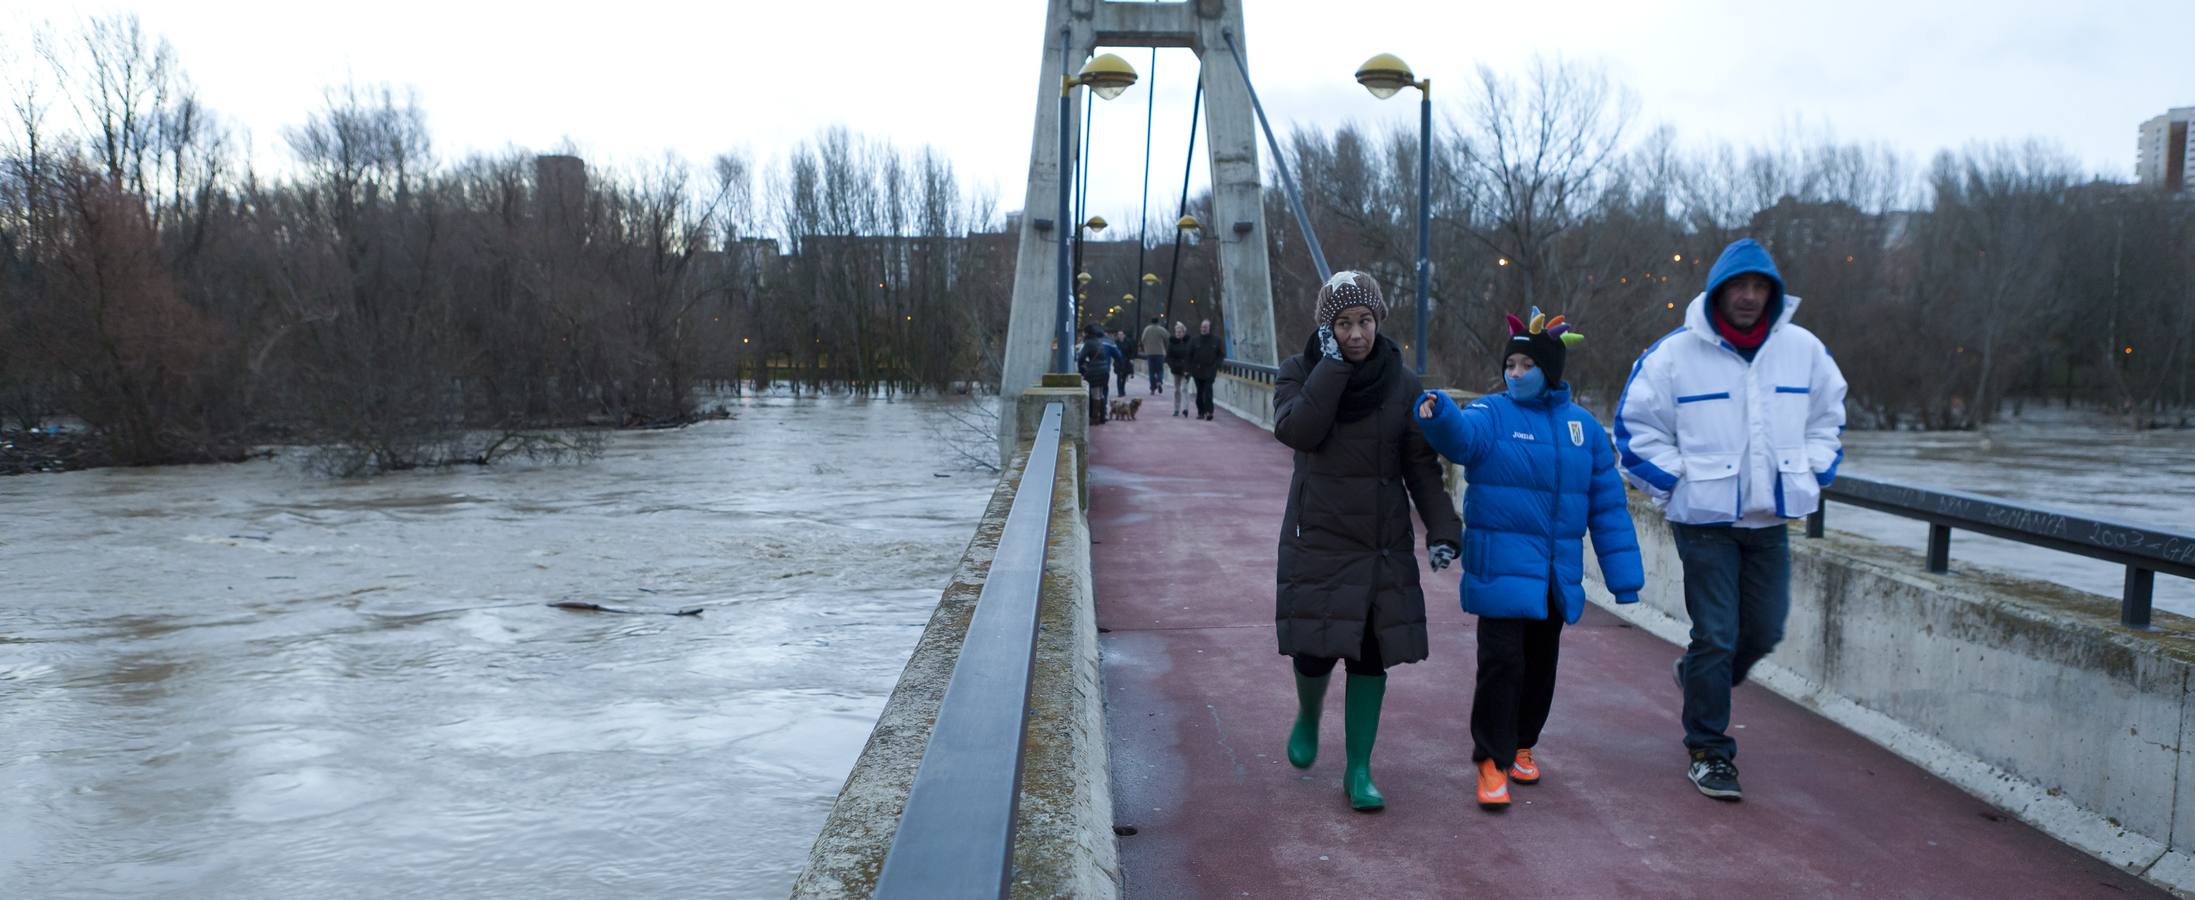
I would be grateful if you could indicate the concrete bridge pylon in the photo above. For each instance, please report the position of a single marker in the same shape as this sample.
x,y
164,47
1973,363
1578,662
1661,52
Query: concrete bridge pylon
x,y
1213,29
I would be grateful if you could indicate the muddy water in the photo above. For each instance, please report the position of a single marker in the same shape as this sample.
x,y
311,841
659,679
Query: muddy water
x,y
242,681
2139,478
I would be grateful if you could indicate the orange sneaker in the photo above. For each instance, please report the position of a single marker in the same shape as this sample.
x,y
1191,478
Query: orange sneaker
x,y
1493,786
1524,772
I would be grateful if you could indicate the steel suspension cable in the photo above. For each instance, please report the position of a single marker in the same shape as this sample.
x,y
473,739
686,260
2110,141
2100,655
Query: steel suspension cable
x,y
1187,166
1280,163
1143,230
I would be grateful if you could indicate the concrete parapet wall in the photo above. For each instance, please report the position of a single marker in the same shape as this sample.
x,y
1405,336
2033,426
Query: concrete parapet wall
x,y
1064,843
2023,693
1071,392
1251,400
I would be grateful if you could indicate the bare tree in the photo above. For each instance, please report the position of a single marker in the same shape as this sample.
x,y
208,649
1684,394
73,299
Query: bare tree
x,y
1534,159
1994,247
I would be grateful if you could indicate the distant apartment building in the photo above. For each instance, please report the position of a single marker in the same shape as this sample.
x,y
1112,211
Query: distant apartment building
x,y
560,189
2166,156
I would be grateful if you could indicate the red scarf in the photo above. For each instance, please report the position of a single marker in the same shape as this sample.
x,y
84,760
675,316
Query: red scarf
x,y
1749,339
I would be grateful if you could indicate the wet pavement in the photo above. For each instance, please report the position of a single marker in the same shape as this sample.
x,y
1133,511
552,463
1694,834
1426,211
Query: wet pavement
x,y
1185,515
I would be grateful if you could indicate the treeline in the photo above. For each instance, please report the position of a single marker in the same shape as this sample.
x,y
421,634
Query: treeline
x,y
1950,293
406,310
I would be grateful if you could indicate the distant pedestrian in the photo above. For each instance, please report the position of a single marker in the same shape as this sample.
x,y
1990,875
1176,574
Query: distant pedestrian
x,y
1347,582
1732,424
1095,360
1206,352
1127,365
1177,362
1154,353
1540,474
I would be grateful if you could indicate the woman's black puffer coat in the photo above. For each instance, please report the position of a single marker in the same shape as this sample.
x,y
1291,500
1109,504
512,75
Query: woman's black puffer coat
x,y
1346,547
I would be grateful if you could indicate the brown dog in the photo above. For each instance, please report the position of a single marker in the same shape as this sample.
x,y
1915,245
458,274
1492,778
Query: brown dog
x,y
1135,404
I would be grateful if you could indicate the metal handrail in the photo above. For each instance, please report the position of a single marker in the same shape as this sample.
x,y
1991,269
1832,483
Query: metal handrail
x,y
956,836
1250,371
2144,551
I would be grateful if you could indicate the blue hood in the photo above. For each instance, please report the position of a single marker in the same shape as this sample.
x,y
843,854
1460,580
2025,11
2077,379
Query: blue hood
x,y
1747,256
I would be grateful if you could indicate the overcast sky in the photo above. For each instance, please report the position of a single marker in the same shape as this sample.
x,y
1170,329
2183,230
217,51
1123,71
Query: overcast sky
x,y
628,81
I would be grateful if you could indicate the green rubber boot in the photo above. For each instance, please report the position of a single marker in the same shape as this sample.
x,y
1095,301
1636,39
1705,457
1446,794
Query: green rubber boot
x,y
1361,725
1303,741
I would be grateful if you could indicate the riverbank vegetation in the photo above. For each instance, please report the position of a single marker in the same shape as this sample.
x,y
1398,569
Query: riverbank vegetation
x,y
176,299
1988,279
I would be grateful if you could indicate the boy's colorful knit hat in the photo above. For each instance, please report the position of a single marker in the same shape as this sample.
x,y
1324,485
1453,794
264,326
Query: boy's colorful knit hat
x,y
1545,341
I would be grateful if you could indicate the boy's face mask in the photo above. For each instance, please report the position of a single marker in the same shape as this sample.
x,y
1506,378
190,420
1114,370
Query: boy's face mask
x,y
1529,386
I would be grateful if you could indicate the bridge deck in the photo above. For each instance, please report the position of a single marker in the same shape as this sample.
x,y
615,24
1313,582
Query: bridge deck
x,y
1184,515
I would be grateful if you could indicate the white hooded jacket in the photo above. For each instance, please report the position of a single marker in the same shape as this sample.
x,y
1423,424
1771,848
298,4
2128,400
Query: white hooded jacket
x,y
1717,440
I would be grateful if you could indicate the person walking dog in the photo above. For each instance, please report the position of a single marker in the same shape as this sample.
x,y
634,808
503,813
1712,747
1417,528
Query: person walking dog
x,y
1096,359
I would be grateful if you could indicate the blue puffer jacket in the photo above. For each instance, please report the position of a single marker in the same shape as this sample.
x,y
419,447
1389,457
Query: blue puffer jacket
x,y
1540,473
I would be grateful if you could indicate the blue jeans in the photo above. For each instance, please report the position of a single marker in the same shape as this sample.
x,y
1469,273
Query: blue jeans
x,y
1737,589
1155,364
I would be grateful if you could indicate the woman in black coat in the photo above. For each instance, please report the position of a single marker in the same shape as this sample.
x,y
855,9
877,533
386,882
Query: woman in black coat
x,y
1348,576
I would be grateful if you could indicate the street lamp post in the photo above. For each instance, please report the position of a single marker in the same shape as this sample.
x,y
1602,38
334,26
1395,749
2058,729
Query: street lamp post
x,y
1384,75
1096,223
1183,227
1107,76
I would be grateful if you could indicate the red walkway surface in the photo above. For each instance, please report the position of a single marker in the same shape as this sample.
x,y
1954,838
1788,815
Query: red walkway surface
x,y
1185,515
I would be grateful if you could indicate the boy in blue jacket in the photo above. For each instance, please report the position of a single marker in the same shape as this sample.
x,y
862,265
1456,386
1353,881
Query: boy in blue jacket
x,y
1541,473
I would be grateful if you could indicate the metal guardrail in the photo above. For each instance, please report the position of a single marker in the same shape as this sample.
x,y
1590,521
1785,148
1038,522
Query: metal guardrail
x,y
1262,374
2144,551
956,837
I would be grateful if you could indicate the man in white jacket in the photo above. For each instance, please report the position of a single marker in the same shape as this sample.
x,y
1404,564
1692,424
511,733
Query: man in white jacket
x,y
1732,425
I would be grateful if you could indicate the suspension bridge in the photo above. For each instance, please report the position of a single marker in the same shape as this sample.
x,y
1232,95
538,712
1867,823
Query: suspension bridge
x,y
1097,708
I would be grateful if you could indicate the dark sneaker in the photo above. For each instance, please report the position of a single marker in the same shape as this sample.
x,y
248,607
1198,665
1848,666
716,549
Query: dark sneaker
x,y
1714,776
1676,671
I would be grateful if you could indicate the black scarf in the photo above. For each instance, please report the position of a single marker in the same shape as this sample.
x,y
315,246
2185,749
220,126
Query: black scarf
x,y
1368,385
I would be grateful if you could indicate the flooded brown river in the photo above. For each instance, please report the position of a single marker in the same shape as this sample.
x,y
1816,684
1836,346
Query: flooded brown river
x,y
245,681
